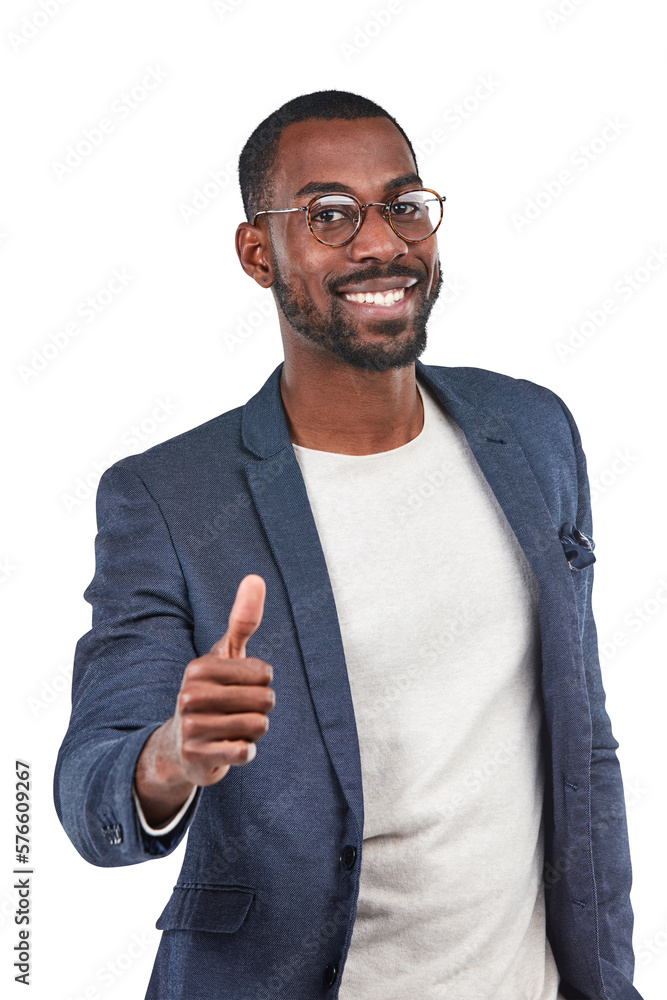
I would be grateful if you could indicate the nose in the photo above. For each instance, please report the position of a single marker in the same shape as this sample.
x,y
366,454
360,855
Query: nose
x,y
376,240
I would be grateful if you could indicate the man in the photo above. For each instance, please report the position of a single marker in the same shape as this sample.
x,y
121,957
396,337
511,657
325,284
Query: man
x,y
401,555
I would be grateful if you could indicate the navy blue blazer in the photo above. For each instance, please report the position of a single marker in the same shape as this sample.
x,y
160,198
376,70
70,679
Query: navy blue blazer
x,y
266,899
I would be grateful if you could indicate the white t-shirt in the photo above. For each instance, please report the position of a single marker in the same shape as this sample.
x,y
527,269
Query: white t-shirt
x,y
438,614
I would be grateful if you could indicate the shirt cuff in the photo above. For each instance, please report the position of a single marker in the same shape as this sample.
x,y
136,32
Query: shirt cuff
x,y
160,831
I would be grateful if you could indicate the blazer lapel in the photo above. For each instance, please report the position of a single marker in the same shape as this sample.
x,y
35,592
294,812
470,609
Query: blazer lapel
x,y
507,470
280,496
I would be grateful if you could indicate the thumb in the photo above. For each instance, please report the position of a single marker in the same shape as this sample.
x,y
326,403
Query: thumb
x,y
245,616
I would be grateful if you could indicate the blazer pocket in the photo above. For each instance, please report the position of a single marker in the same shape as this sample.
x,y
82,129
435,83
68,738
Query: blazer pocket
x,y
217,908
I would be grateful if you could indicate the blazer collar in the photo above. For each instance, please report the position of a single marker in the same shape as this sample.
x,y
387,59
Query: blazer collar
x,y
264,427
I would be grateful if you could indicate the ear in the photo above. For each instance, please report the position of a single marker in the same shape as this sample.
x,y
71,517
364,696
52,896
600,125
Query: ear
x,y
254,252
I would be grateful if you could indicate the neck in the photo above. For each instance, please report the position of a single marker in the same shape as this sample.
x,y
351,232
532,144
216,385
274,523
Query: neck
x,y
338,408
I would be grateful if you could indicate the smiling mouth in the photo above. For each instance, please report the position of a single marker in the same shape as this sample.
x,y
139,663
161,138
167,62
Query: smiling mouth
x,y
387,298
377,304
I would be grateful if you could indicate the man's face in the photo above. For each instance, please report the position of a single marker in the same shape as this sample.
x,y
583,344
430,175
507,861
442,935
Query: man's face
x,y
370,159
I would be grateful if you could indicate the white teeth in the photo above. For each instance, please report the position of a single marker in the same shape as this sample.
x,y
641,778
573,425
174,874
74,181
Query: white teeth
x,y
377,298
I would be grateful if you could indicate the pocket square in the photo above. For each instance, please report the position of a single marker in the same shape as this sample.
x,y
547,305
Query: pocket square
x,y
578,548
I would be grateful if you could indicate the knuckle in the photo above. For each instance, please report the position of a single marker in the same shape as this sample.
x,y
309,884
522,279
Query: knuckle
x,y
260,667
194,669
189,698
189,726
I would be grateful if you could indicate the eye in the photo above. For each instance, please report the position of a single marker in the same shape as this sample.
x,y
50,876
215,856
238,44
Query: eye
x,y
404,208
329,215
333,212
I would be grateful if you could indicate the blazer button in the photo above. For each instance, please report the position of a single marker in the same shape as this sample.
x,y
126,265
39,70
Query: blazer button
x,y
330,972
348,857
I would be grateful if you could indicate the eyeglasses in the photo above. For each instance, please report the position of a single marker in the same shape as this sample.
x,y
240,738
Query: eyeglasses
x,y
335,219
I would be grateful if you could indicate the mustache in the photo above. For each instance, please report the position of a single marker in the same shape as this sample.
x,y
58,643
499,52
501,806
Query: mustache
x,y
370,274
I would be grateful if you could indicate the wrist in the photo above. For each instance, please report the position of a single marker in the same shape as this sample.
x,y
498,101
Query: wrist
x,y
165,762
160,784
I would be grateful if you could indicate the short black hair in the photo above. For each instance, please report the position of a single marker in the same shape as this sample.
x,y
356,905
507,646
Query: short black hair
x,y
258,156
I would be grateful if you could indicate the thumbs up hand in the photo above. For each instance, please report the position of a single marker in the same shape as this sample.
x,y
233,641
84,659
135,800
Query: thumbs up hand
x,y
221,710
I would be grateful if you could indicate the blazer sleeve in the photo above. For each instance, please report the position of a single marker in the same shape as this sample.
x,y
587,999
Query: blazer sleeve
x,y
609,832
127,674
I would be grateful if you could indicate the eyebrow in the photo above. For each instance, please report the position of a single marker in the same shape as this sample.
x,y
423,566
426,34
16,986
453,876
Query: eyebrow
x,y
321,187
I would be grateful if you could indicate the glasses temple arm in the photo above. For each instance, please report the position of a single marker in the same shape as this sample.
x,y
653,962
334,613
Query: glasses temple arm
x,y
272,211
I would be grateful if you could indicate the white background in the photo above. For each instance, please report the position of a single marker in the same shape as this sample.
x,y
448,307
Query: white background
x,y
500,98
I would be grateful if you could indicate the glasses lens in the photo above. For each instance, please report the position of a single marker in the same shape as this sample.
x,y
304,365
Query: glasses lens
x,y
334,218
416,214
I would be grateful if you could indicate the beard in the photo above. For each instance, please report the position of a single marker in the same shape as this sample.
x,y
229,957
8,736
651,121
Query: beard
x,y
336,332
